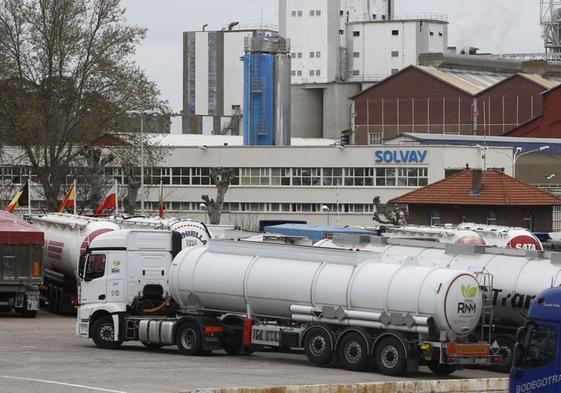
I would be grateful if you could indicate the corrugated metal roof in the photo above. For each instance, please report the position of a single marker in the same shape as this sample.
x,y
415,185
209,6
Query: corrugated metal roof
x,y
451,79
479,138
546,83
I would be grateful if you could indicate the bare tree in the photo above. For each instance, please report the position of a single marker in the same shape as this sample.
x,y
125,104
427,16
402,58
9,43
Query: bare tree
x,y
66,78
389,213
221,178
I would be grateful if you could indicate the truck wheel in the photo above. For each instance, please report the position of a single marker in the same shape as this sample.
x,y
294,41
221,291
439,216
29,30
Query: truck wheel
x,y
189,339
51,299
441,369
103,333
390,357
317,346
353,352
151,346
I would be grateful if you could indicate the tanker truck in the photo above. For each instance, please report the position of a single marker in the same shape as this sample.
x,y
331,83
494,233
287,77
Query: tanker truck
x,y
66,239
336,305
518,274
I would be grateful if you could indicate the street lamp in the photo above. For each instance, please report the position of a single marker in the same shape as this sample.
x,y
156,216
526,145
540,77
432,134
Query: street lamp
x,y
142,115
518,153
325,208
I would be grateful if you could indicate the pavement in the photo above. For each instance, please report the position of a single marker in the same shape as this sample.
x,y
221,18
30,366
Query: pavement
x,y
44,355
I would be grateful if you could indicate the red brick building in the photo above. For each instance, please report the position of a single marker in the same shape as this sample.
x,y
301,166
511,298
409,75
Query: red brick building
x,y
546,124
488,197
426,99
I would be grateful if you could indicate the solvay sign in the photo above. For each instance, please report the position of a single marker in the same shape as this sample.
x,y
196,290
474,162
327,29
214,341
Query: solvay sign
x,y
408,156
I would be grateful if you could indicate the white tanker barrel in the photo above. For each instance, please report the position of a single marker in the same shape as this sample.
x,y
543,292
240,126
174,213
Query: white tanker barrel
x,y
299,283
67,238
517,279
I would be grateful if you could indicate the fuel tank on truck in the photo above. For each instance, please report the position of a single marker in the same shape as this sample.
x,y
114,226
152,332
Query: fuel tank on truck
x,y
298,283
518,275
66,239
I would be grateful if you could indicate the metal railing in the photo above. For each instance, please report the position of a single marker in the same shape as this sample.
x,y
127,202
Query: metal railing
x,y
403,16
528,56
266,27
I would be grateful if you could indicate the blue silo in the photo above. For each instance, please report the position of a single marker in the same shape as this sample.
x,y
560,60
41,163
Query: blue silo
x,y
266,106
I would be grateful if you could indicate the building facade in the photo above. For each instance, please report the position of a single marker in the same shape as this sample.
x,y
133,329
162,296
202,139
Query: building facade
x,y
212,80
312,180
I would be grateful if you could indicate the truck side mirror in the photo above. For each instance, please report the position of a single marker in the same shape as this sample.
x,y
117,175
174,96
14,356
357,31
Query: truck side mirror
x,y
516,372
81,265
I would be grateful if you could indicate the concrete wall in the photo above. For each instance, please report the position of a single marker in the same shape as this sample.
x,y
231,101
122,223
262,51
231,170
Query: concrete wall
x,y
307,112
336,108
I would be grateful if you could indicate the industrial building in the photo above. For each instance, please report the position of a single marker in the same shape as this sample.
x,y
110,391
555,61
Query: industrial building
x,y
488,197
425,99
212,79
312,180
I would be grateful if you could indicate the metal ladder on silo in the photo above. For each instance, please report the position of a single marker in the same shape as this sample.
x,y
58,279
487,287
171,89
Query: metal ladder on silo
x,y
257,87
485,280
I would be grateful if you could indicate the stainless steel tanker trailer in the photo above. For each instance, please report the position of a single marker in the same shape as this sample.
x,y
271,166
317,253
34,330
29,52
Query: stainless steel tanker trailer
x,y
519,275
336,305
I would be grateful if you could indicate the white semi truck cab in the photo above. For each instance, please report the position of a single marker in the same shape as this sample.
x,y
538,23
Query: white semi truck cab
x,y
337,305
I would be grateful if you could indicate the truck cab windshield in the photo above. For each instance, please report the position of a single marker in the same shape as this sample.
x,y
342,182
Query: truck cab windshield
x,y
539,347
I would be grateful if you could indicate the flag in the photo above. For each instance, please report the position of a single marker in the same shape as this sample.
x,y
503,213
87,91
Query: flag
x,y
162,207
69,200
21,198
109,203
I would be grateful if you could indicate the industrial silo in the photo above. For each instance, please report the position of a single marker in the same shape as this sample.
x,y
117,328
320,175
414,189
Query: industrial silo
x,y
266,90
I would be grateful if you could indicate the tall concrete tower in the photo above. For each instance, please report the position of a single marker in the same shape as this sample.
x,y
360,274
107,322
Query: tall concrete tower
x,y
550,20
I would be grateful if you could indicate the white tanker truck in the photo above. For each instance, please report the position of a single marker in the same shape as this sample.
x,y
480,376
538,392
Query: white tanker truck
x,y
67,237
243,296
519,275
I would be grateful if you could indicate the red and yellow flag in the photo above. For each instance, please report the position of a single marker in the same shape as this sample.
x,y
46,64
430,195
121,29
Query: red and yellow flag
x,y
20,199
69,200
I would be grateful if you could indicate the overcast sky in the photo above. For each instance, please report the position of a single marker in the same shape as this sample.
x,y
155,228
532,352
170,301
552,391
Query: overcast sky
x,y
501,26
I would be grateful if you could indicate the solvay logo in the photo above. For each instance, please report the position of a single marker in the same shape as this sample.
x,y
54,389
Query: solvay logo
x,y
468,291
468,306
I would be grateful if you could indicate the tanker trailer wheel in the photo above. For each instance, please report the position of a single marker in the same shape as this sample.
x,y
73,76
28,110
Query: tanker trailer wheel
x,y
441,369
390,357
51,299
317,346
353,352
189,339
103,333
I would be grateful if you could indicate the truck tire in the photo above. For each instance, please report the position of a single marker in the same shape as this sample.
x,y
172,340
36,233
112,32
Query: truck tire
x,y
103,333
390,357
189,339
317,346
51,299
353,352
441,369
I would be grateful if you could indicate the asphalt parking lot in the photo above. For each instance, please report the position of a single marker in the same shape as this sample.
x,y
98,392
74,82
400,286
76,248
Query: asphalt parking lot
x,y
44,355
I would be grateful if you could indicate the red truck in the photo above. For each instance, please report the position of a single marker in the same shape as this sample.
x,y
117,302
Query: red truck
x,y
21,254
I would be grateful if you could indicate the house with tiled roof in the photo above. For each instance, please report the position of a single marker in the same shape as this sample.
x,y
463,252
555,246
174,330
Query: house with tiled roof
x,y
487,197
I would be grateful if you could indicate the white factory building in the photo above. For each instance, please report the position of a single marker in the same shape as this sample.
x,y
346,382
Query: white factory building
x,y
339,47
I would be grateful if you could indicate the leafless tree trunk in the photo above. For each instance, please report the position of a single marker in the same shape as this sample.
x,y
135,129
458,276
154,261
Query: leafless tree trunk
x,y
222,178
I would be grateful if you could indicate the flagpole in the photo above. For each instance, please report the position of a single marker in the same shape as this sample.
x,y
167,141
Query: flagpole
x,y
29,192
116,198
75,196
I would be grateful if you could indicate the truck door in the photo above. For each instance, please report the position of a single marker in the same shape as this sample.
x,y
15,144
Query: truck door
x,y
537,363
94,284
116,276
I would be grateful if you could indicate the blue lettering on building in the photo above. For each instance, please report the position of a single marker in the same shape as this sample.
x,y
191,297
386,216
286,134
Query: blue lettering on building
x,y
400,156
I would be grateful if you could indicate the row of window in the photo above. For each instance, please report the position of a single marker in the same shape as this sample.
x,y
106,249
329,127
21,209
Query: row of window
x,y
299,13
299,72
490,219
313,55
255,207
356,33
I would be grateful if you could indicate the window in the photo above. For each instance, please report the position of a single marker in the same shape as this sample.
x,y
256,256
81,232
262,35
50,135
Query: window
x,y
293,73
318,72
318,12
440,33
299,55
356,72
395,32
280,176
341,32
401,177
356,33
200,176
293,13
356,54
306,177
359,177
383,17
435,217
539,347
395,53
180,176
299,72
312,12
375,138
432,33
395,71
311,72
528,220
374,16
312,54
556,218
332,176
293,55
255,177
299,13
95,267
318,54
491,218
341,13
